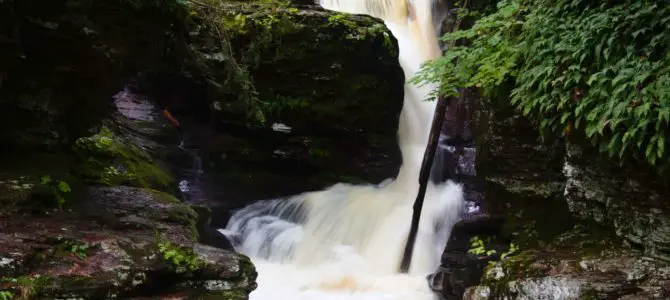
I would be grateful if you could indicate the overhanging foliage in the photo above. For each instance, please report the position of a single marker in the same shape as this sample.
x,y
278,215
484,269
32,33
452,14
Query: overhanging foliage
x,y
598,68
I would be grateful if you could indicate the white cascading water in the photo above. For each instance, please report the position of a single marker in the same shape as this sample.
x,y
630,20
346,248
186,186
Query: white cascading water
x,y
346,242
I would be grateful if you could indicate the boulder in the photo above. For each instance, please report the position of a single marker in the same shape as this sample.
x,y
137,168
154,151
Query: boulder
x,y
258,86
122,242
314,92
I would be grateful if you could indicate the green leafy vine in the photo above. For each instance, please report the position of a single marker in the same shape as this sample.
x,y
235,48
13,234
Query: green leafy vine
x,y
597,68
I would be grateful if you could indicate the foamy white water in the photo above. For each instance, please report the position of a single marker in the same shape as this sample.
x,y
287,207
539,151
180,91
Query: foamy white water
x,y
346,242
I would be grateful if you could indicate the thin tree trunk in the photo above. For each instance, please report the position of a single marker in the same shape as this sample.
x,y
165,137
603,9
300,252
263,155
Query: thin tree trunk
x,y
426,166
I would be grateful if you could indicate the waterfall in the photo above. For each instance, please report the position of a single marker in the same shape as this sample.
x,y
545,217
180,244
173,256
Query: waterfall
x,y
346,242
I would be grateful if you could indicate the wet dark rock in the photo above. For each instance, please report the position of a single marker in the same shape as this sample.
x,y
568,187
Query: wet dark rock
x,y
522,176
143,123
207,231
325,81
315,67
459,269
515,157
111,159
58,68
117,245
625,197
455,158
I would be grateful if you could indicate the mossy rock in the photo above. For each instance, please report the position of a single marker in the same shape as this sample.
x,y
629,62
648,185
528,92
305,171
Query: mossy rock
x,y
333,79
308,68
106,158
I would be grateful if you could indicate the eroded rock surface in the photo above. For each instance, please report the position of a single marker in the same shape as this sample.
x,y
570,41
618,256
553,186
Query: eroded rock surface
x,y
582,227
573,274
123,242
631,199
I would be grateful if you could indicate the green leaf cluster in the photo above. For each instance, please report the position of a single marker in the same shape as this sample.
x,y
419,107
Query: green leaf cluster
x,y
6,295
597,68
24,287
478,246
58,188
181,258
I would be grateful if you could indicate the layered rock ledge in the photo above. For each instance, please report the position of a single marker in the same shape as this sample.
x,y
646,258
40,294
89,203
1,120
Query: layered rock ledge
x,y
125,242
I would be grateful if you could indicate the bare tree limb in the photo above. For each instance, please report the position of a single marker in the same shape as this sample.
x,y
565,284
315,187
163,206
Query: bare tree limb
x,y
426,166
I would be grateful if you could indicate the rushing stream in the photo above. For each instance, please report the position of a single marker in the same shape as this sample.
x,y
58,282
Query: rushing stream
x,y
346,242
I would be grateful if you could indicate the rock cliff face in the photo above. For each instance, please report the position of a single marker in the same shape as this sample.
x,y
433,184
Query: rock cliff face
x,y
631,199
575,224
265,95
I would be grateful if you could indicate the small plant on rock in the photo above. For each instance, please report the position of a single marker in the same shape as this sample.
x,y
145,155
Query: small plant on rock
x,y
182,258
24,287
478,247
55,189
78,249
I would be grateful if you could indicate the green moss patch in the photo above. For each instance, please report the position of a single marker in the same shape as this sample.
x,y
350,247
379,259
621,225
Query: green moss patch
x,y
108,159
263,60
